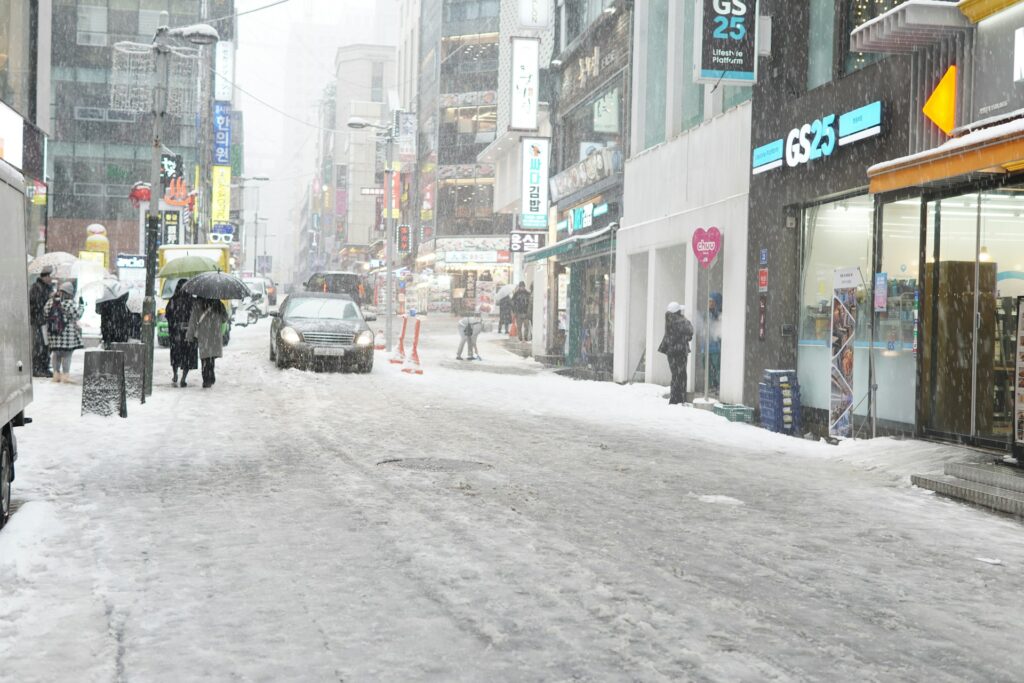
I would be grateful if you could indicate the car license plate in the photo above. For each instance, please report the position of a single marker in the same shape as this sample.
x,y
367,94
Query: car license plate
x,y
327,351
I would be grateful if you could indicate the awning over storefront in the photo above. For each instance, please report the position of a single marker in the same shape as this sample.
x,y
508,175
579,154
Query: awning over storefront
x,y
998,149
573,247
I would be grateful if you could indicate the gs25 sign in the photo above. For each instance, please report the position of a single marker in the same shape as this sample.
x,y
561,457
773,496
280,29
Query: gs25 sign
x,y
726,42
811,141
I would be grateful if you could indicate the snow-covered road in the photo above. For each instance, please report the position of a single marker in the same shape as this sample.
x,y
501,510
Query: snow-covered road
x,y
585,531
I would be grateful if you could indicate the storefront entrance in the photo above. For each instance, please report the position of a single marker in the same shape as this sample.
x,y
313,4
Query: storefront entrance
x,y
974,270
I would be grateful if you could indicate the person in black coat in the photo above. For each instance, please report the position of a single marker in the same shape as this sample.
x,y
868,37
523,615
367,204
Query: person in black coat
x,y
115,320
676,347
504,314
38,295
520,307
184,352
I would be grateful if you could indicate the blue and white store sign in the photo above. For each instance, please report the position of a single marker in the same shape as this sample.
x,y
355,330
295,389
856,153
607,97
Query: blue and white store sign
x,y
819,138
221,133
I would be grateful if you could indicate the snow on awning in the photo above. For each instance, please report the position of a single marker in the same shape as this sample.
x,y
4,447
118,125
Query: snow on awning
x,y
910,26
566,245
996,149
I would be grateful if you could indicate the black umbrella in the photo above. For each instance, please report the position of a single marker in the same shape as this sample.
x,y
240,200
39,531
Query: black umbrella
x,y
217,286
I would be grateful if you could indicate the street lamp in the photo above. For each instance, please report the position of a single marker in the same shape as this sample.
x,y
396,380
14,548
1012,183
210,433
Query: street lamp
x,y
163,45
357,123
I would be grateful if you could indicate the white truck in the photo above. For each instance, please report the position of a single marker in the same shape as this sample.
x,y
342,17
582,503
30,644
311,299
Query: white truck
x,y
15,330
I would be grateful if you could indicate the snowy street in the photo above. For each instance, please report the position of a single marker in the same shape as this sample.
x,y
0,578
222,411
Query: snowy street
x,y
539,529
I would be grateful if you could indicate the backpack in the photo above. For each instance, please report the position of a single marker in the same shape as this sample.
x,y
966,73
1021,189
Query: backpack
x,y
55,319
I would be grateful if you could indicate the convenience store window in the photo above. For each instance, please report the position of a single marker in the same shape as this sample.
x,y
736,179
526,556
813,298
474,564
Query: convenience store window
x,y
835,235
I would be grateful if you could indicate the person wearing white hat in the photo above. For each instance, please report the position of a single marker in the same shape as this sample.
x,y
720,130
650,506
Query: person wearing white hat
x,y
676,347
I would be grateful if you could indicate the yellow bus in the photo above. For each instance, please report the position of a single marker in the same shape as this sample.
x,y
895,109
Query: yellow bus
x,y
218,253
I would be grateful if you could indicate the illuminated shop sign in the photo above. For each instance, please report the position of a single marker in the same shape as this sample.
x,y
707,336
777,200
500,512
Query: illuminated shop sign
x,y
819,138
726,42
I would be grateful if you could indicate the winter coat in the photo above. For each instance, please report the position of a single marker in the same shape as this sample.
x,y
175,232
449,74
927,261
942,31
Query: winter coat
x,y
178,313
115,320
678,333
204,325
71,337
470,327
37,298
521,301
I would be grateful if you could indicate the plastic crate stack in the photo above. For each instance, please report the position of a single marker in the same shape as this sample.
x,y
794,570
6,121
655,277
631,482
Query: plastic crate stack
x,y
779,394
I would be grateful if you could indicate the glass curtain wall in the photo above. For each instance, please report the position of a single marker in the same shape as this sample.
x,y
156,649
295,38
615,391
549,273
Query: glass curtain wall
x,y
835,235
15,43
690,94
656,78
820,42
973,276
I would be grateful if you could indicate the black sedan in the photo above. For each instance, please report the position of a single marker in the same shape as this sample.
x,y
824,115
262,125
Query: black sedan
x,y
321,330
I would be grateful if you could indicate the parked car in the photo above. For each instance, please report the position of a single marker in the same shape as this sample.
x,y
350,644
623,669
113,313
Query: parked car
x,y
321,330
336,282
271,291
258,285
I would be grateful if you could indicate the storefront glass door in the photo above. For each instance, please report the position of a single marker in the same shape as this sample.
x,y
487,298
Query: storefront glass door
x,y
974,270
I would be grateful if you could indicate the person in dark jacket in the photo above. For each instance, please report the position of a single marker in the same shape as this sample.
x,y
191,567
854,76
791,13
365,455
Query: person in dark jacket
x,y
676,347
504,314
520,307
38,295
184,352
115,320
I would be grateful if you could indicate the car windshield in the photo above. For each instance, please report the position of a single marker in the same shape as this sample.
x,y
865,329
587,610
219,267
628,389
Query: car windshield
x,y
334,283
255,285
323,309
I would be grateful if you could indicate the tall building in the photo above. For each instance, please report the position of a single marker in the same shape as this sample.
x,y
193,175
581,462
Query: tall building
x,y
99,151
25,37
366,82
461,235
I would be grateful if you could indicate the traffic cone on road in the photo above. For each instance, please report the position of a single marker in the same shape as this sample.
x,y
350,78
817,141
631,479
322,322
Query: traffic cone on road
x,y
412,366
379,344
399,357
513,331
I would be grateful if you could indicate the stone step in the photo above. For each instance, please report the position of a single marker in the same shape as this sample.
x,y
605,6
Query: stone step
x,y
993,497
989,474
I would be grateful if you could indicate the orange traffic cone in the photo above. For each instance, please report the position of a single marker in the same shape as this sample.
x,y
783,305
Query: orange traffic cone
x,y
513,331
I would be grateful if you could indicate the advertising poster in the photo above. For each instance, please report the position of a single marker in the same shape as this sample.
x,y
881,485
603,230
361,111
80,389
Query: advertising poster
x,y
844,333
525,83
486,290
726,44
220,202
535,183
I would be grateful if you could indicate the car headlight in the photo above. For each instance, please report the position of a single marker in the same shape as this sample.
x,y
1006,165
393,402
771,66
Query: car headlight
x,y
290,336
365,338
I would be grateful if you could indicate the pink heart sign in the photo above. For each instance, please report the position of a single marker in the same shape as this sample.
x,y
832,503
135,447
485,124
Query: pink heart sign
x,y
706,245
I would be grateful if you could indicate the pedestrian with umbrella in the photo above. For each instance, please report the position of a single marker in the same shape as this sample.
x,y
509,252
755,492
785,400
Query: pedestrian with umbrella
x,y
62,316
209,315
115,318
184,351
504,298
38,295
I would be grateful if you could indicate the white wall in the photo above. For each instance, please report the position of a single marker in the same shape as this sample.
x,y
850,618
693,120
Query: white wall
x,y
699,179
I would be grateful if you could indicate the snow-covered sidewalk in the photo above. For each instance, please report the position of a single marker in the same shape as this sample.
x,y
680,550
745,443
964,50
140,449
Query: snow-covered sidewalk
x,y
539,529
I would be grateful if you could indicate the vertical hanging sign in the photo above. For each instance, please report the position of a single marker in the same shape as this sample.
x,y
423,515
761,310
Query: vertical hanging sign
x,y
525,86
534,13
221,134
844,332
535,183
725,47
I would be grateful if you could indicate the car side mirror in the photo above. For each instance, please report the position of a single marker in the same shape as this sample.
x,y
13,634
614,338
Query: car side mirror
x,y
369,317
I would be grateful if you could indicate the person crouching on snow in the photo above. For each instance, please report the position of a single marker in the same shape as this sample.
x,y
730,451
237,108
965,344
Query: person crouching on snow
x,y
469,330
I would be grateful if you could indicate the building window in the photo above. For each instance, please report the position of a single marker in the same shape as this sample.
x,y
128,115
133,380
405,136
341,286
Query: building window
x,y
820,42
858,12
92,26
15,73
90,114
592,126
691,95
656,76
149,22
577,15
836,235
377,83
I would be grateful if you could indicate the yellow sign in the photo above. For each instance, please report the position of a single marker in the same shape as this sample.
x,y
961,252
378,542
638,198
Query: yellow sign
x,y
220,202
941,106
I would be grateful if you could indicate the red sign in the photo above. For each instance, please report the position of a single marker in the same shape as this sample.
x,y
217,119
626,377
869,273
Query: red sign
x,y
706,245
762,280
504,256
404,239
